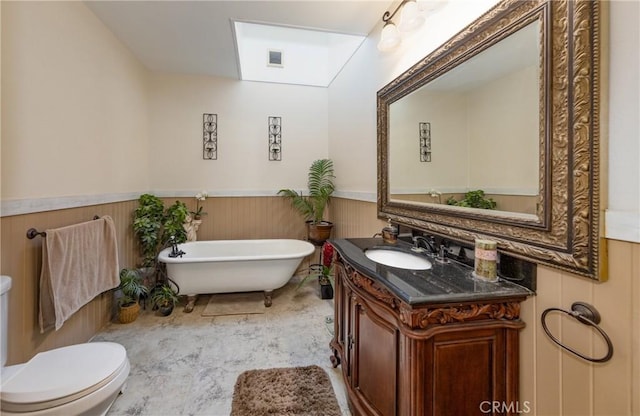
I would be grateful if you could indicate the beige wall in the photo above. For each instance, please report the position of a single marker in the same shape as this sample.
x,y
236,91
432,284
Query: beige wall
x,y
559,383
243,108
503,142
352,95
473,142
447,170
74,105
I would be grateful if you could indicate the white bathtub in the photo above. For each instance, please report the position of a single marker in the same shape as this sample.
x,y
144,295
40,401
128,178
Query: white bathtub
x,y
225,266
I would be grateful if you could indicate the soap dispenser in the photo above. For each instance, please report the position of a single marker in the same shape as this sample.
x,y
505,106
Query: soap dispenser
x,y
390,233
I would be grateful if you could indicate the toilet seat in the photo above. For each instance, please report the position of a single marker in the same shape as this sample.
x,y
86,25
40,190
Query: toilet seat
x,y
56,377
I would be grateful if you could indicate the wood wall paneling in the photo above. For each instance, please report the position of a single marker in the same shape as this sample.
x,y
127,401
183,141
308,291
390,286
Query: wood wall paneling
x,y
552,381
22,260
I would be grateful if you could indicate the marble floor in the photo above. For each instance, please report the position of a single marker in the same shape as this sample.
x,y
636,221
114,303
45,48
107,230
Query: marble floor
x,y
187,364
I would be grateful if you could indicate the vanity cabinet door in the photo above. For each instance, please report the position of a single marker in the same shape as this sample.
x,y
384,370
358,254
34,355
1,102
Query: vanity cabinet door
x,y
374,360
473,364
341,302
341,342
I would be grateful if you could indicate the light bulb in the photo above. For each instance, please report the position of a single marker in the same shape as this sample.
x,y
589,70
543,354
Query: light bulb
x,y
389,38
410,17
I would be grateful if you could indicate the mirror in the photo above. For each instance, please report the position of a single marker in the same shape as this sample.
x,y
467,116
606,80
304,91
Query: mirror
x,y
495,110
474,127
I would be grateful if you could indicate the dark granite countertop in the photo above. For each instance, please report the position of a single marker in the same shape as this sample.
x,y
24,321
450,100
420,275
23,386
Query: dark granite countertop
x,y
443,283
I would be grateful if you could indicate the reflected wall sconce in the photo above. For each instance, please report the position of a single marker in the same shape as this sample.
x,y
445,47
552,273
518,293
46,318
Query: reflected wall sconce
x,y
410,20
425,142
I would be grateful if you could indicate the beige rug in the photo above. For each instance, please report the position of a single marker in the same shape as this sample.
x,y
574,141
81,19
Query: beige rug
x,y
294,391
235,304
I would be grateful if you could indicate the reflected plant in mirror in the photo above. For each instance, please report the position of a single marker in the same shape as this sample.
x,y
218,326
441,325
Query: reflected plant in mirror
x,y
473,199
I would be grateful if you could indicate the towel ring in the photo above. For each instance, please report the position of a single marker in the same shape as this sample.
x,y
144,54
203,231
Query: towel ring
x,y
588,315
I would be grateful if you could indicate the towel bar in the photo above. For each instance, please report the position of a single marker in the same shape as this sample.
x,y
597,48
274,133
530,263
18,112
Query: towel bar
x,y
588,315
33,233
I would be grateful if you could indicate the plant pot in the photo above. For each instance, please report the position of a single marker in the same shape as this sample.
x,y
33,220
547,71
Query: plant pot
x,y
326,291
165,310
319,233
129,313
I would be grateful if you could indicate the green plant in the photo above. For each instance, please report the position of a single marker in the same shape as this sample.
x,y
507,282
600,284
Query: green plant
x,y
147,225
174,217
321,187
473,199
164,296
154,225
131,286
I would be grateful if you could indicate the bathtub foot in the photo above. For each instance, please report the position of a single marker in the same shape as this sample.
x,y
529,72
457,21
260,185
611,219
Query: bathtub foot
x,y
267,297
191,303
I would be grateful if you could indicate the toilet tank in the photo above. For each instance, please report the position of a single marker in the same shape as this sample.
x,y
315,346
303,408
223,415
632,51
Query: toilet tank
x,y
5,285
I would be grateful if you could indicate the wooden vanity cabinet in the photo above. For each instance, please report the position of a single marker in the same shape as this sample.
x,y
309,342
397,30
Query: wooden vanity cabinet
x,y
441,359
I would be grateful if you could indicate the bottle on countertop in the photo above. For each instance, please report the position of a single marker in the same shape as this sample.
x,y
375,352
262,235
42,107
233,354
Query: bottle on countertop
x,y
390,233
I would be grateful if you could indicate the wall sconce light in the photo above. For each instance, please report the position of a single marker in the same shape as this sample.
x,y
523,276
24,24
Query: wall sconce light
x,y
410,20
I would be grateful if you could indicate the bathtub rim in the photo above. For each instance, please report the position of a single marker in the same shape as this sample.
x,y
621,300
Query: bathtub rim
x,y
309,249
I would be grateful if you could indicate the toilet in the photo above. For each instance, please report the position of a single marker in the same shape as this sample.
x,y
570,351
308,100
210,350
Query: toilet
x,y
83,379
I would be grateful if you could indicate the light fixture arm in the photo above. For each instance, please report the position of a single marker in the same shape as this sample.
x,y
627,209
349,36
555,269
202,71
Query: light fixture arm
x,y
386,17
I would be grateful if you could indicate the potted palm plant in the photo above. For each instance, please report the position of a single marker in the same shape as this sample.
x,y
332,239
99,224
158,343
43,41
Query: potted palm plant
x,y
312,206
132,289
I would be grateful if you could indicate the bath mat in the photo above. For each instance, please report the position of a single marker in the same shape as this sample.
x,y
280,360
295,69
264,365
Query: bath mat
x,y
235,304
293,391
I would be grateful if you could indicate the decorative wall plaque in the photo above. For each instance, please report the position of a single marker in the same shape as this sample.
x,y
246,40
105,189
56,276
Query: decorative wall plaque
x,y
275,138
210,136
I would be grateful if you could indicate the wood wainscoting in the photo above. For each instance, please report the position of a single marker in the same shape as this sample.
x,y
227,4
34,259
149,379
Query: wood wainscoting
x,y
227,218
22,260
548,376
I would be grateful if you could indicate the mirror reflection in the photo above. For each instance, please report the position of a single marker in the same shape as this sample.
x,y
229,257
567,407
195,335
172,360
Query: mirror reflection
x,y
475,128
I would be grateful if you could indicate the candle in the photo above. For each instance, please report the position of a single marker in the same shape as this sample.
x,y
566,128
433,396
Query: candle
x,y
486,256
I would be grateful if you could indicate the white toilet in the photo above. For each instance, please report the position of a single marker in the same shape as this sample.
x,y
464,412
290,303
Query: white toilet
x,y
83,379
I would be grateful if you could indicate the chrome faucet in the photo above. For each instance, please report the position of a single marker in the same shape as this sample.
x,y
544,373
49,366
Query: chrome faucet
x,y
175,251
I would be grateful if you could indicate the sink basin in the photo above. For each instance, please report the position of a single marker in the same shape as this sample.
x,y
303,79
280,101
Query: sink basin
x,y
398,259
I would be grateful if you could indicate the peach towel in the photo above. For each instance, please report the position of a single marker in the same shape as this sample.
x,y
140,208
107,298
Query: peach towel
x,y
78,263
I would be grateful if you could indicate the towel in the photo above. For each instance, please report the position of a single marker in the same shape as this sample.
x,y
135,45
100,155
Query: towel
x,y
78,263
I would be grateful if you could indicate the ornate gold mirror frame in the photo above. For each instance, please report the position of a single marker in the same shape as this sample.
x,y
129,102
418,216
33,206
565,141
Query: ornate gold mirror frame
x,y
566,233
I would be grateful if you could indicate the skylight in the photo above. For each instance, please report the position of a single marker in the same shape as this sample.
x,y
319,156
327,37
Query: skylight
x,y
305,56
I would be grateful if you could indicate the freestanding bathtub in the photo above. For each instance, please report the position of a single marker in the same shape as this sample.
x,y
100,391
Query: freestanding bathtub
x,y
225,266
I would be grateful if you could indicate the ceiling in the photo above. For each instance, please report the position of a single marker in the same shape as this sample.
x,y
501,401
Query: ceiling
x,y
196,37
